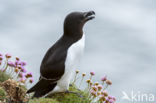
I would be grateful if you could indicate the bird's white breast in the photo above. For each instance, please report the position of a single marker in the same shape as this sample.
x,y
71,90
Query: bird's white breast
x,y
74,53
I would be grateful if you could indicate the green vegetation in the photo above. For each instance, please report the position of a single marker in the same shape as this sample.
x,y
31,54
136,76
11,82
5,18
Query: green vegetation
x,y
2,94
4,76
43,100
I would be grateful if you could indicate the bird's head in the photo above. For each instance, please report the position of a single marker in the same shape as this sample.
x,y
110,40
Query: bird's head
x,y
75,21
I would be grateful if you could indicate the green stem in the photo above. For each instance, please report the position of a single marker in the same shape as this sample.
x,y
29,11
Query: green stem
x,y
106,87
5,67
74,79
81,82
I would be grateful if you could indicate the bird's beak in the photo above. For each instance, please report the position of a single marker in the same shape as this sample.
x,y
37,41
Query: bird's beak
x,y
89,15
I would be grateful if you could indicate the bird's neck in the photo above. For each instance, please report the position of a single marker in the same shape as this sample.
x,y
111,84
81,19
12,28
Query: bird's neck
x,y
73,33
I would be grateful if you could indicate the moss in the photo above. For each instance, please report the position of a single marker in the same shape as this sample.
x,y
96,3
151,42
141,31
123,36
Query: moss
x,y
4,76
2,94
43,100
79,97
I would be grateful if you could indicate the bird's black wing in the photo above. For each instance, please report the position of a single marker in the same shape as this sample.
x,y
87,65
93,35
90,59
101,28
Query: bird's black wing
x,y
53,64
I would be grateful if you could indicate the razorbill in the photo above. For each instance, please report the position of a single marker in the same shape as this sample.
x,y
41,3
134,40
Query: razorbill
x,y
63,57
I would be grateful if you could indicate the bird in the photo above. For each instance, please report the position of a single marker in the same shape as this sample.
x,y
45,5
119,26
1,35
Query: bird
x,y
63,57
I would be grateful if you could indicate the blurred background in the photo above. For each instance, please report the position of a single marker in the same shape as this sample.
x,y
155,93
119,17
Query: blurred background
x,y
120,41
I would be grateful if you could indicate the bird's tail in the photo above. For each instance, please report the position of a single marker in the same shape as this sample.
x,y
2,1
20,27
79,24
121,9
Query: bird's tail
x,y
42,87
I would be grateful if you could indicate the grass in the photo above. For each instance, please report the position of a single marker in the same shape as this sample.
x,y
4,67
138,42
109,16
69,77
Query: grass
x,y
2,94
4,76
79,97
43,100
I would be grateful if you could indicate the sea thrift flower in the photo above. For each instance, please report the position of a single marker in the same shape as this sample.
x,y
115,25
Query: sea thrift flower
x,y
1,54
16,62
111,101
113,98
104,93
102,98
20,75
108,82
77,71
94,88
8,56
110,97
19,67
91,83
96,83
11,64
88,81
93,93
17,59
16,70
22,80
104,78
31,81
28,75
84,74
23,69
107,100
1,57
99,87
92,73
98,93
22,63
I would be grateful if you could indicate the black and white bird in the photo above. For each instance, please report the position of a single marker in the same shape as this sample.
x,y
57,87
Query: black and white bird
x,y
63,57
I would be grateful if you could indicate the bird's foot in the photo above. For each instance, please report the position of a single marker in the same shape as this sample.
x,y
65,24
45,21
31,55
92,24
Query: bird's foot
x,y
78,94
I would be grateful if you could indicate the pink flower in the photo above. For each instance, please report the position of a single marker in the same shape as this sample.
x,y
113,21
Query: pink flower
x,y
111,101
94,88
11,64
23,69
20,75
104,78
110,97
31,80
99,87
107,99
28,75
113,98
17,58
93,93
22,63
1,57
16,62
22,80
8,55
1,54
92,73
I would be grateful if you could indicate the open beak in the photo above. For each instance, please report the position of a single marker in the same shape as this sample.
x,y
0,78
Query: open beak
x,y
89,15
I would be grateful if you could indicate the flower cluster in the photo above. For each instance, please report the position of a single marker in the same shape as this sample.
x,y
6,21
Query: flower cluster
x,y
97,91
16,69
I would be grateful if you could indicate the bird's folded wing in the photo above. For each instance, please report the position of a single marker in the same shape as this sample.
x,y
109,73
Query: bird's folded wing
x,y
53,65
